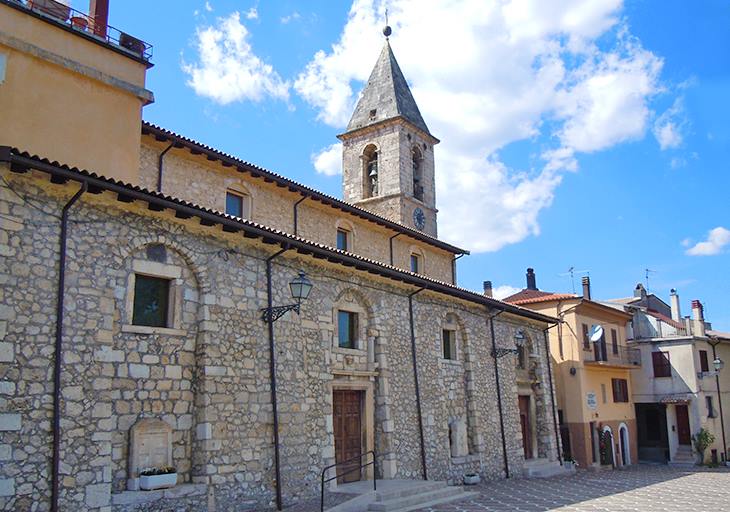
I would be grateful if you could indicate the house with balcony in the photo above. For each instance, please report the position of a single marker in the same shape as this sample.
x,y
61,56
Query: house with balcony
x,y
680,385
594,369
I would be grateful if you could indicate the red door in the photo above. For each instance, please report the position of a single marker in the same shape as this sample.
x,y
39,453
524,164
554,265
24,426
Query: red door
x,y
526,427
346,416
683,424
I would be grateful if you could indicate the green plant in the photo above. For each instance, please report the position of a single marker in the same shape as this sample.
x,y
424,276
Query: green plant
x,y
164,470
703,440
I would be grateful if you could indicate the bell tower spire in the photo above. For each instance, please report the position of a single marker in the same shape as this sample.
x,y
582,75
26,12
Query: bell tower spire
x,y
388,163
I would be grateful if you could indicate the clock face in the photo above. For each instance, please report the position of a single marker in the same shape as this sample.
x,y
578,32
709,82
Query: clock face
x,y
419,218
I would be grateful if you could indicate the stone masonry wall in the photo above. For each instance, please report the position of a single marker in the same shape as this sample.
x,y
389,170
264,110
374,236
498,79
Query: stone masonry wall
x,y
207,375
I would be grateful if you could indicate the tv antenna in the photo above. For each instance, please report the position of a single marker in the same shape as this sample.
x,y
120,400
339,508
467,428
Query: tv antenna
x,y
648,271
571,272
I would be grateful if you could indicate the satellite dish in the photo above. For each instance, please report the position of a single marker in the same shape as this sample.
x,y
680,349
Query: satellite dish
x,y
596,333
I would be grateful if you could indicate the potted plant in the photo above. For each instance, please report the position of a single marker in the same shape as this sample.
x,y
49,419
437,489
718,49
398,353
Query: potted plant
x,y
157,478
471,478
702,440
569,463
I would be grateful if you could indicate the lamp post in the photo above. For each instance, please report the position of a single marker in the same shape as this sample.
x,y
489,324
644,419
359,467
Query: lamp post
x,y
300,287
519,343
719,364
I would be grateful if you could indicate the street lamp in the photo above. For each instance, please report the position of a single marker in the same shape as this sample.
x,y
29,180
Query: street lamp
x,y
300,287
719,364
519,342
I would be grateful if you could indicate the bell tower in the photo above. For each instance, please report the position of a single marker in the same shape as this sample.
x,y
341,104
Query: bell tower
x,y
387,150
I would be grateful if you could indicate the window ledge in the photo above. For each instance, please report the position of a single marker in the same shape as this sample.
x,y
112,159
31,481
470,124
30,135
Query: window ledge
x,y
450,362
353,351
146,329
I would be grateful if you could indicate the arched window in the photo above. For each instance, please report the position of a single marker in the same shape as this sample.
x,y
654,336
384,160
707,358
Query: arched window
x,y
370,168
416,159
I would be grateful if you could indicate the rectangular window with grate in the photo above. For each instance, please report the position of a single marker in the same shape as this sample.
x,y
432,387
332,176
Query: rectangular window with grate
x,y
704,363
614,342
415,263
448,344
151,301
586,340
343,239
710,407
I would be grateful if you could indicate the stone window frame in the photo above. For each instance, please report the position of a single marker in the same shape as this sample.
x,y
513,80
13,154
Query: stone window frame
x,y
417,166
174,308
246,199
368,151
349,227
450,323
362,316
414,250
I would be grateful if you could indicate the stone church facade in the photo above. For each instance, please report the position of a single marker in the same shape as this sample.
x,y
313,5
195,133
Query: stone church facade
x,y
95,387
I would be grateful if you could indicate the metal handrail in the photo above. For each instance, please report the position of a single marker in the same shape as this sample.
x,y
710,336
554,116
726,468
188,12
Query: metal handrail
x,y
357,457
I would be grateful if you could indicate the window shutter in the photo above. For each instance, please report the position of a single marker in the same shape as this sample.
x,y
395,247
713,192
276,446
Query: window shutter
x,y
660,362
586,341
614,341
704,364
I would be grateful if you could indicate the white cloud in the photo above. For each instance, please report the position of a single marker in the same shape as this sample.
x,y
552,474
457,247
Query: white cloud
x,y
667,127
329,160
290,17
505,290
208,7
489,74
717,239
228,70
252,14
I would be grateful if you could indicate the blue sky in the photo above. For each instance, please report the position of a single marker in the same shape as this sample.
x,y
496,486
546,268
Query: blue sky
x,y
592,135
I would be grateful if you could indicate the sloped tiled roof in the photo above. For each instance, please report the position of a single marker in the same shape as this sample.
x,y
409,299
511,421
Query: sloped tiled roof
x,y
20,161
386,96
534,296
227,160
665,319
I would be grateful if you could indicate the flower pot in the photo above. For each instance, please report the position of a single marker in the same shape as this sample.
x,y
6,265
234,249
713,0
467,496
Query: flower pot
x,y
152,482
471,479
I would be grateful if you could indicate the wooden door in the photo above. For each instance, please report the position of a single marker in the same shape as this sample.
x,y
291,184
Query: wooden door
x,y
347,419
526,425
683,424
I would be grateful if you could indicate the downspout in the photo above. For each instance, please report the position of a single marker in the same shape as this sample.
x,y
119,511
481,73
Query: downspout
x,y
160,167
552,393
272,374
296,215
719,400
499,393
391,246
415,379
453,268
58,350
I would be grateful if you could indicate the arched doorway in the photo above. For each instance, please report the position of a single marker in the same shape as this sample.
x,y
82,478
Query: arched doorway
x,y
625,447
607,448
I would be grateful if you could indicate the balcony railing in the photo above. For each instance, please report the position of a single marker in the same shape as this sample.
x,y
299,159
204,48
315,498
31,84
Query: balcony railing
x,y
86,25
603,355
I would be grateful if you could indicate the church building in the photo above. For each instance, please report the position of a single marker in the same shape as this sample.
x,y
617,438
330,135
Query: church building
x,y
170,308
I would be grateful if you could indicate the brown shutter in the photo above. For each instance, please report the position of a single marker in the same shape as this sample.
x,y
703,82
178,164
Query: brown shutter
x,y
614,341
704,364
662,367
586,341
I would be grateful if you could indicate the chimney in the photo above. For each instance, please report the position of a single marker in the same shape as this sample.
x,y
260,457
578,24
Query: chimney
x,y
531,284
674,299
640,291
488,288
99,12
586,287
698,318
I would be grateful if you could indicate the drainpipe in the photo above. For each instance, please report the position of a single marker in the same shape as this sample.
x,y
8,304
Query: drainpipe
x,y
453,268
719,400
296,215
391,246
552,393
160,165
58,350
415,379
499,392
272,373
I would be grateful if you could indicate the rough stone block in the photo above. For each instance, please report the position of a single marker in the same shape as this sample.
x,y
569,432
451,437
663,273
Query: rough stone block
x,y
7,352
10,422
109,356
139,371
98,495
7,387
7,487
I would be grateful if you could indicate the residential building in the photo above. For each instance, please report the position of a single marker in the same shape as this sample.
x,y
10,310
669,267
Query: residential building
x,y
146,318
593,377
678,390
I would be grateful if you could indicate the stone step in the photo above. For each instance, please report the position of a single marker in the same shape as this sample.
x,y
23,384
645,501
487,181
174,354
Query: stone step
x,y
544,468
409,491
414,501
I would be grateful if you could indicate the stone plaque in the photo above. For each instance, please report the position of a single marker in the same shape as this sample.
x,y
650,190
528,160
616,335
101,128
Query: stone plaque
x,y
591,400
150,446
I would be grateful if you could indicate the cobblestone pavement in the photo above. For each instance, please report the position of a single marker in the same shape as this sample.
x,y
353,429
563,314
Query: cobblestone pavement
x,y
640,488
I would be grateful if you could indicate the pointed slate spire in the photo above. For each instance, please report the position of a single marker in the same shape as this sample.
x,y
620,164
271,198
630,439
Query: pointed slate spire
x,y
386,96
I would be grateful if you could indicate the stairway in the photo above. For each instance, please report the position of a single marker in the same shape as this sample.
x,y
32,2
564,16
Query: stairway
x,y
417,495
543,468
684,455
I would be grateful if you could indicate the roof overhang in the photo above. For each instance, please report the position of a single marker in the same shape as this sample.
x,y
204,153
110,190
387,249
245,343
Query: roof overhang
x,y
21,162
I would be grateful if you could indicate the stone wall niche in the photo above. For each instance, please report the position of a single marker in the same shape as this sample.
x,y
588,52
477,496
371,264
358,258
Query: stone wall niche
x,y
150,446
458,438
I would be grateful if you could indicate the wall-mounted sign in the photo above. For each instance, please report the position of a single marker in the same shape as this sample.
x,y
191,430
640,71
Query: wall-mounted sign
x,y
591,400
